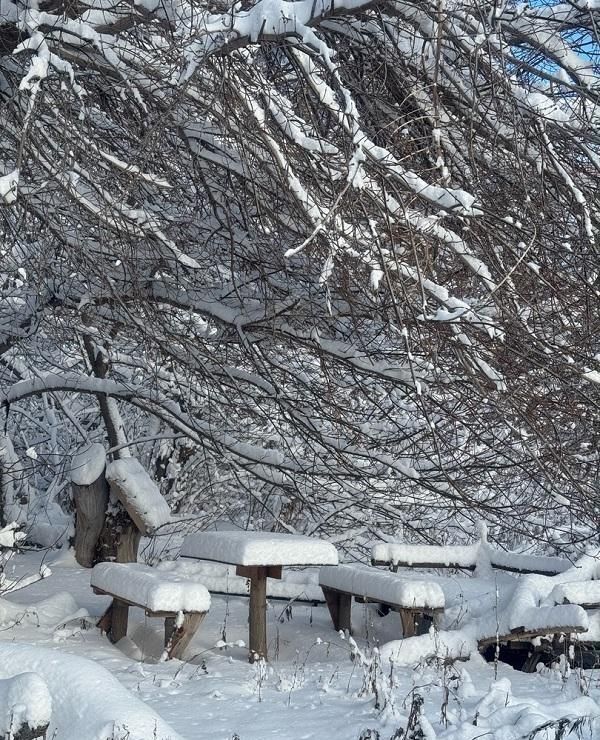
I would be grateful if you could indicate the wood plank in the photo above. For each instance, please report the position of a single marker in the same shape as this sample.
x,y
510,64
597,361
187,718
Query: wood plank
x,y
251,571
421,564
432,611
270,597
103,592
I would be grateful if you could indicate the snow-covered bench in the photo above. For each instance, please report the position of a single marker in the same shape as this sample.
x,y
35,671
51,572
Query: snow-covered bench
x,y
412,599
182,603
469,557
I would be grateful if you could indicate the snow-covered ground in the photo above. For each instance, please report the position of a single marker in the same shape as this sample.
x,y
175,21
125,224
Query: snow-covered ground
x,y
316,685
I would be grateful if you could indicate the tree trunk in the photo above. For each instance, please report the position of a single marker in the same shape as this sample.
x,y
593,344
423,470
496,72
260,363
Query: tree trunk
x,y
90,507
120,538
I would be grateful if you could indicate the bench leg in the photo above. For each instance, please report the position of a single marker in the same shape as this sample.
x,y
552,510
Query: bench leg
x,y
408,623
178,638
118,620
340,609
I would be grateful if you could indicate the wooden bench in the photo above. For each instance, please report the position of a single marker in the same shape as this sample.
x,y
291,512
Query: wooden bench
x,y
468,557
182,603
411,599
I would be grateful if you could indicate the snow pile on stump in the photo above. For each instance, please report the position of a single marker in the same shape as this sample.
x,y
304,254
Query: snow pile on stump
x,y
25,706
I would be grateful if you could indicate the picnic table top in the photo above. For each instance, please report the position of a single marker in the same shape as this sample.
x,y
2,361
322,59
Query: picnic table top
x,y
259,548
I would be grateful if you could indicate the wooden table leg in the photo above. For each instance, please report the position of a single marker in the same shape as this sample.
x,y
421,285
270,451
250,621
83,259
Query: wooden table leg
x,y
258,615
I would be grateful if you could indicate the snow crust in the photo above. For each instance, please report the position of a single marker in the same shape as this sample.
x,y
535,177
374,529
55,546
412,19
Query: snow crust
x,y
88,702
87,465
259,548
25,702
383,586
140,492
157,590
222,579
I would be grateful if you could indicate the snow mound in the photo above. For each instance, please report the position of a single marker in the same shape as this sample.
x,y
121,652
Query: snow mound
x,y
46,615
501,716
88,702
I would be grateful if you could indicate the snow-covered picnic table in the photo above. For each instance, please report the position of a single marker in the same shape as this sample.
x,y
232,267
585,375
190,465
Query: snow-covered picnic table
x,y
258,556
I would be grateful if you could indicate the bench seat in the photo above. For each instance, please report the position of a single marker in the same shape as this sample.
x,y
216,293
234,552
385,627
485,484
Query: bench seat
x,y
182,603
411,598
301,586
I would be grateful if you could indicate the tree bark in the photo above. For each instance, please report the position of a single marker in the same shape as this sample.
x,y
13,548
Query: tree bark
x,y
90,508
120,538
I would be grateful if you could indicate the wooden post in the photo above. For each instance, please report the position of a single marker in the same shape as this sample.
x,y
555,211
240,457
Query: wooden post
x,y
257,618
119,539
257,631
